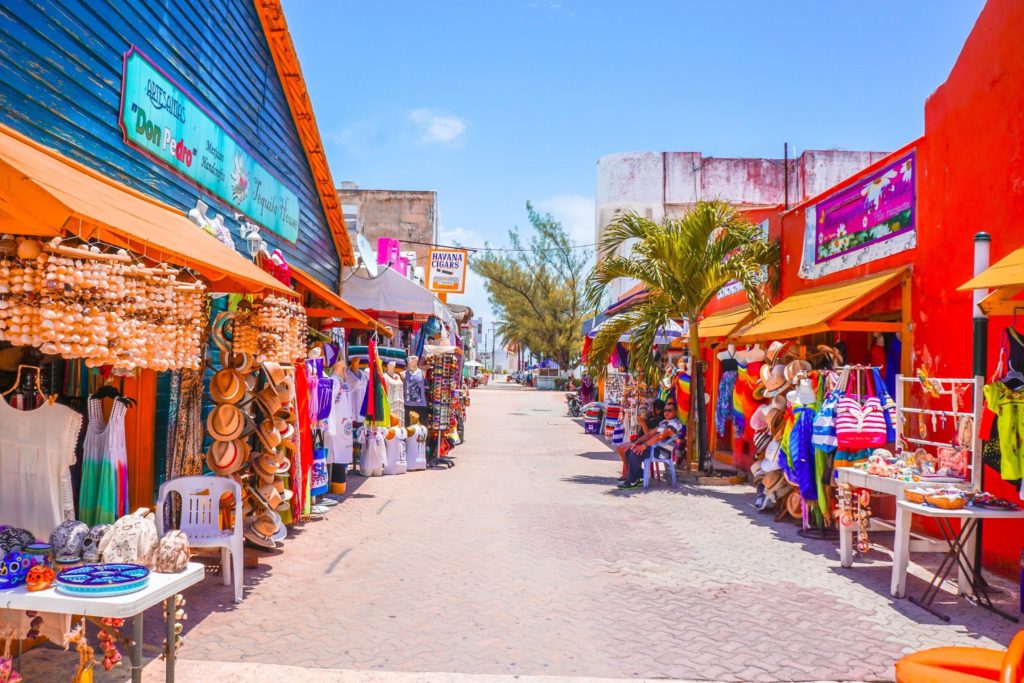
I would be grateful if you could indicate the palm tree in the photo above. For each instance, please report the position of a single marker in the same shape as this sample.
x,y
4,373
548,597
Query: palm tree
x,y
683,263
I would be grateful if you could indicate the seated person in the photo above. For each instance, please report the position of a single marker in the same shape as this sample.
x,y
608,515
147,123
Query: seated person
x,y
635,454
649,422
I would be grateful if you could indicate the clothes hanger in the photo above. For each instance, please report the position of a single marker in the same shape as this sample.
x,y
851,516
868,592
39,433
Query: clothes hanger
x,y
38,384
108,390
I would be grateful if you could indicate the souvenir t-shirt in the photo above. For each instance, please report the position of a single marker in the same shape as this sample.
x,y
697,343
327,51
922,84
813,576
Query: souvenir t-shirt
x,y
415,388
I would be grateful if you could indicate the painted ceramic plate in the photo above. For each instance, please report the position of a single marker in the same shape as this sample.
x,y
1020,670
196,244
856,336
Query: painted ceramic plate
x,y
102,580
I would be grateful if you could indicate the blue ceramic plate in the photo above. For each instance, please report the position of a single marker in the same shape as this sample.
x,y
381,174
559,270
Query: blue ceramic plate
x,y
102,580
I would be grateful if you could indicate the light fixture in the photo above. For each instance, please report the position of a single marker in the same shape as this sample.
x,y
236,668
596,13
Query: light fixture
x,y
251,235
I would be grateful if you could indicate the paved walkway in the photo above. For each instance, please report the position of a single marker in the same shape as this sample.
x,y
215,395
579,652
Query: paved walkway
x,y
524,560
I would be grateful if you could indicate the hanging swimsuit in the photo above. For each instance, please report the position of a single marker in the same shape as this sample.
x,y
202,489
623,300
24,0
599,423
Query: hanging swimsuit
x,y
1013,347
726,385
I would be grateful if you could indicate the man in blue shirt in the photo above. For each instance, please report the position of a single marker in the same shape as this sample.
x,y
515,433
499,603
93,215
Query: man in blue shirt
x,y
666,430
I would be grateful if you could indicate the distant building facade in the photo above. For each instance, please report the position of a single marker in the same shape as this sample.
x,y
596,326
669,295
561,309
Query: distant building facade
x,y
406,215
661,185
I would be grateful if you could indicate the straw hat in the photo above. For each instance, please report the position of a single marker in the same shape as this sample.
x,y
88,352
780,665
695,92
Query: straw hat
x,y
796,369
271,495
286,391
261,530
226,457
758,420
243,362
268,401
284,427
831,354
286,494
774,352
774,379
268,434
275,373
227,386
226,422
793,505
264,465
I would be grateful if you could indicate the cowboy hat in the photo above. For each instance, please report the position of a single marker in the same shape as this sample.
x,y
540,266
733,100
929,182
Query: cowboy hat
x,y
761,440
775,483
771,451
226,422
227,386
833,358
272,496
756,473
774,352
796,369
774,379
226,457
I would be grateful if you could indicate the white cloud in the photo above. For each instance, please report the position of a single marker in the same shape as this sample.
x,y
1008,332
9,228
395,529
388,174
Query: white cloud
x,y
354,138
435,126
576,213
458,235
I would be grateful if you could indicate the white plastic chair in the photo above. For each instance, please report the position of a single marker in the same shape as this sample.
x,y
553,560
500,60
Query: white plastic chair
x,y
656,456
200,520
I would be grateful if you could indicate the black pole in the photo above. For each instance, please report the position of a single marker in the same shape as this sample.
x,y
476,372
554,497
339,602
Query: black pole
x,y
982,242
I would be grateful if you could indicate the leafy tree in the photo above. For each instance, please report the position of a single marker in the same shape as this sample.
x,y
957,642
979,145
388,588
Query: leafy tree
x,y
538,290
683,263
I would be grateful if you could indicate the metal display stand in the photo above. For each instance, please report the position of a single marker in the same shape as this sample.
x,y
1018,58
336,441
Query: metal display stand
x,y
858,478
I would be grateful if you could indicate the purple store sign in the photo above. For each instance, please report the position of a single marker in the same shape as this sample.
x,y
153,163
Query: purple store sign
x,y
871,219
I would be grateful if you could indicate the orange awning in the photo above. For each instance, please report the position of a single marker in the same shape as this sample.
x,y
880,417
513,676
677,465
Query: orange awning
x,y
336,306
1006,279
821,309
723,323
44,193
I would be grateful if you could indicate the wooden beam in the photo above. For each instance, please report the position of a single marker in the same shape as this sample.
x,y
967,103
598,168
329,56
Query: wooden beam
x,y
1001,301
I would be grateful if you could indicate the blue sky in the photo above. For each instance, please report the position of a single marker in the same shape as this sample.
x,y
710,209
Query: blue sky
x,y
497,102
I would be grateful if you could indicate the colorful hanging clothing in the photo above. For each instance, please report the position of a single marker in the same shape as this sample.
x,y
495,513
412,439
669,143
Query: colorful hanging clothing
x,y
802,451
375,408
723,407
743,402
303,463
1008,406
682,395
103,496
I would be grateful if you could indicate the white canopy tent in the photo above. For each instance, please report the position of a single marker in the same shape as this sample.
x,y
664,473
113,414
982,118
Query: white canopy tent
x,y
390,292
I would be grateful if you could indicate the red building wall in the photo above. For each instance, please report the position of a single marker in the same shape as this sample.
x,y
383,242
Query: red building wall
x,y
973,179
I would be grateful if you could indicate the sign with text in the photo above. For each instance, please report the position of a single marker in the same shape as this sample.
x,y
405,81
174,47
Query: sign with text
x,y
871,219
447,270
169,125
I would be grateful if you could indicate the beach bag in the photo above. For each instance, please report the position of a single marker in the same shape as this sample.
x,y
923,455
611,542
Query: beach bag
x,y
321,478
860,424
888,405
172,552
132,540
823,435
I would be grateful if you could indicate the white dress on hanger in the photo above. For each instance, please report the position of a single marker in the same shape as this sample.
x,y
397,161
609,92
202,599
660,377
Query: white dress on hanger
x,y
396,396
356,382
37,448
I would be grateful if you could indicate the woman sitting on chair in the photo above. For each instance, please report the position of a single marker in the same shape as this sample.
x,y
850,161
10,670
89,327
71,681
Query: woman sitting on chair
x,y
635,454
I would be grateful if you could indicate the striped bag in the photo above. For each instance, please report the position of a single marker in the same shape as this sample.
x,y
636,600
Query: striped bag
x,y
859,424
824,427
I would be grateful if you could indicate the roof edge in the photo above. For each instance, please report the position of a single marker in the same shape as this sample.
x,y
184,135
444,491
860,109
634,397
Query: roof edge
x,y
289,72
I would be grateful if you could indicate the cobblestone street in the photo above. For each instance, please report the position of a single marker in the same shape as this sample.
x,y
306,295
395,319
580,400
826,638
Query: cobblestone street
x,y
524,559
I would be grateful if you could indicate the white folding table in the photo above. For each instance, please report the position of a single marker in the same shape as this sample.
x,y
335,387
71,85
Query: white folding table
x,y
960,552
859,478
161,588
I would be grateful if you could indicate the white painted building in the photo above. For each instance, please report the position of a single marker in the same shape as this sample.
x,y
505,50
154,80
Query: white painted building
x,y
666,184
